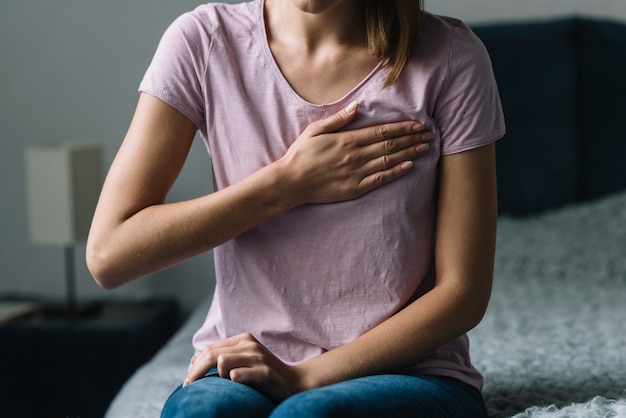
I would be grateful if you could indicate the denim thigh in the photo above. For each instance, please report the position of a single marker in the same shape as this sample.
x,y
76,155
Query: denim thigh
x,y
389,396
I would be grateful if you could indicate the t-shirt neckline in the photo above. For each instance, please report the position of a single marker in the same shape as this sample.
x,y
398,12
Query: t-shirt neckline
x,y
348,97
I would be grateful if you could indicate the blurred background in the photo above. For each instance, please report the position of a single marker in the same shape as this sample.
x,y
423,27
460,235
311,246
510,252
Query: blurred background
x,y
69,71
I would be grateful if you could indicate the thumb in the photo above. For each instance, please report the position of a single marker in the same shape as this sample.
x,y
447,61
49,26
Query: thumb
x,y
336,121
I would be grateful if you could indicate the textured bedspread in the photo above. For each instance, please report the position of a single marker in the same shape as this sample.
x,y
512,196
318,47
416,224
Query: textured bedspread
x,y
553,341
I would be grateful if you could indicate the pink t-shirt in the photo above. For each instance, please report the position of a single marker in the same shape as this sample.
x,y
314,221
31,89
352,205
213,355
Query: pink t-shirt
x,y
318,276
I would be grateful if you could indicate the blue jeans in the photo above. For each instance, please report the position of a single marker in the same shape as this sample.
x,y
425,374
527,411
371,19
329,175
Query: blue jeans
x,y
374,396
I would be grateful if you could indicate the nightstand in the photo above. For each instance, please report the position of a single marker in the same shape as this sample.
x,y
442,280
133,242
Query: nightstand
x,y
52,366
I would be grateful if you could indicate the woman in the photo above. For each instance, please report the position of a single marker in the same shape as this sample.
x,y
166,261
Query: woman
x,y
354,212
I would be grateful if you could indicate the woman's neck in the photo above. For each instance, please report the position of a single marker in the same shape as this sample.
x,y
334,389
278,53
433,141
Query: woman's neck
x,y
322,52
313,25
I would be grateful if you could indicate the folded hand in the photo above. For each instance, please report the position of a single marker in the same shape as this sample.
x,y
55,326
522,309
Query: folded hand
x,y
243,359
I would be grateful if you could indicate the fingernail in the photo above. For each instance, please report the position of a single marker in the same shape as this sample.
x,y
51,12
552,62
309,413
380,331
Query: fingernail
x,y
417,127
406,165
422,147
186,382
351,107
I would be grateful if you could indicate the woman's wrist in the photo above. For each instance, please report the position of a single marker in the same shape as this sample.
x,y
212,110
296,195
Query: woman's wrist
x,y
307,379
284,191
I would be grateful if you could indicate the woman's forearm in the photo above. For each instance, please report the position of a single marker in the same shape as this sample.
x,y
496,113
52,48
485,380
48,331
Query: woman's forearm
x,y
401,341
162,235
135,233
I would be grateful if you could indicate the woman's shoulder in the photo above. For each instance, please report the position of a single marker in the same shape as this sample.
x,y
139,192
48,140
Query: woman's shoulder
x,y
208,19
448,22
449,42
442,30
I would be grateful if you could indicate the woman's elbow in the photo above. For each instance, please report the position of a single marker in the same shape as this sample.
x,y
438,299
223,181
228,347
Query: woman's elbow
x,y
479,305
101,267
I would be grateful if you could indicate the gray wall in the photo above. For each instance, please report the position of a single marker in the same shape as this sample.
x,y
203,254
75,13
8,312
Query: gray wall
x,y
69,70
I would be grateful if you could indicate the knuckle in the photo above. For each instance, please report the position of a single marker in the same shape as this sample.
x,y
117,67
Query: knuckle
x,y
389,145
212,358
349,141
349,159
234,375
246,336
314,128
339,117
378,179
382,132
249,345
385,161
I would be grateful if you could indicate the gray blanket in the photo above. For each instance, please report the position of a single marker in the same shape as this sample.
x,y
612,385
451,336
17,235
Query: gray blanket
x,y
553,341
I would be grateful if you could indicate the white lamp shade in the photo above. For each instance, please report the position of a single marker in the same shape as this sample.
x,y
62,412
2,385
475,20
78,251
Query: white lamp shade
x,y
63,183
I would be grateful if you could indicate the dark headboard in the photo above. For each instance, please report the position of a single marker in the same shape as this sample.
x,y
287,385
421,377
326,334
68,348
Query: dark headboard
x,y
563,88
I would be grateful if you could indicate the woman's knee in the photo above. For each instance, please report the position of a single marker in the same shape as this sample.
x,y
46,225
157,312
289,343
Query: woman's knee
x,y
214,397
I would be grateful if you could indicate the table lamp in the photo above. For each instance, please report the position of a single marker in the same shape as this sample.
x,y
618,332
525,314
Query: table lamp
x,y
63,182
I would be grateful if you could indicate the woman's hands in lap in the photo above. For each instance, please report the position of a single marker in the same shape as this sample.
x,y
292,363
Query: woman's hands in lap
x,y
243,359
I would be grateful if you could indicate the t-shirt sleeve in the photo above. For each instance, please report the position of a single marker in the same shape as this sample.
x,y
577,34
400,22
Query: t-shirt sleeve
x,y
176,72
468,110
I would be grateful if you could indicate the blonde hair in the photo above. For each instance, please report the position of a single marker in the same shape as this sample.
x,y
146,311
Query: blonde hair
x,y
392,28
